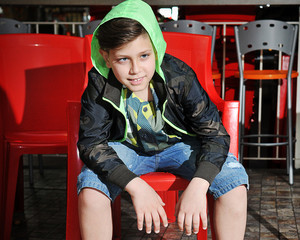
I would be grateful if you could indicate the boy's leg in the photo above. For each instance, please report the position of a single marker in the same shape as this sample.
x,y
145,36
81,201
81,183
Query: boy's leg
x,y
95,196
230,214
95,218
230,193
228,188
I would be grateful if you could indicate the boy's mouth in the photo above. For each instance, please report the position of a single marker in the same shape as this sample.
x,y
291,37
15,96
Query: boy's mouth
x,y
136,81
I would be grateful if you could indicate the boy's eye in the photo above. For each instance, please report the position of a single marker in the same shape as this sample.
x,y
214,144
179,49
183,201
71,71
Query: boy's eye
x,y
144,55
122,59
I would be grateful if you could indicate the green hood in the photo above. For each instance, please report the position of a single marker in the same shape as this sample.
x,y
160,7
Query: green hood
x,y
141,12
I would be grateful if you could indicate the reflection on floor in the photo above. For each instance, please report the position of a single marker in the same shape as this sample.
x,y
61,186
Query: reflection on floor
x,y
273,207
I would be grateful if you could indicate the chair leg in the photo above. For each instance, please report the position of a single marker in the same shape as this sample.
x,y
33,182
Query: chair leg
x,y
13,159
19,198
116,216
170,198
241,120
289,158
210,202
30,168
41,165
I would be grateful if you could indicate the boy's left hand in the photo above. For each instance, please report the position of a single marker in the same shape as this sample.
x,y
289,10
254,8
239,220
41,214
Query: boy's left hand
x,y
192,205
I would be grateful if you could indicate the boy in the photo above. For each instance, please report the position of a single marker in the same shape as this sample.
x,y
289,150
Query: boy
x,y
145,111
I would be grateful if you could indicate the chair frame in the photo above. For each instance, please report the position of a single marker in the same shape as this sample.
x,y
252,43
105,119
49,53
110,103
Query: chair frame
x,y
8,26
88,28
265,35
193,27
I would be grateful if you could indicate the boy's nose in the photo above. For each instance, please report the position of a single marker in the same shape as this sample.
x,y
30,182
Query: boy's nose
x,y
135,68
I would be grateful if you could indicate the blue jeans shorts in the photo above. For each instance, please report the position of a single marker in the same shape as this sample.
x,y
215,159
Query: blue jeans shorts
x,y
178,159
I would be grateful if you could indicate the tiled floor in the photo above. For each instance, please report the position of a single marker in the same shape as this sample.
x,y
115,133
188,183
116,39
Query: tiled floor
x,y
273,207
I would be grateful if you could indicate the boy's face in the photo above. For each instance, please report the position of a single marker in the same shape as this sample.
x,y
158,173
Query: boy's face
x,y
133,64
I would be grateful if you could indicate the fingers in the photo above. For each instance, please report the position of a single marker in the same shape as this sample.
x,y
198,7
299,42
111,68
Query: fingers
x,y
203,216
196,223
148,222
156,222
191,223
152,218
140,220
188,224
163,216
180,220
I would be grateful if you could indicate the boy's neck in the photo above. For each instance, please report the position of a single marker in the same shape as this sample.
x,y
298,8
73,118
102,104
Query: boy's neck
x,y
145,95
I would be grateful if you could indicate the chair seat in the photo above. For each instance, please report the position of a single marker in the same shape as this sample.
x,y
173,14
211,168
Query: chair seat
x,y
164,181
265,74
53,137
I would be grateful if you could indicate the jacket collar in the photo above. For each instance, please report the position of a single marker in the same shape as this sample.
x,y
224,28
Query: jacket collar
x,y
113,89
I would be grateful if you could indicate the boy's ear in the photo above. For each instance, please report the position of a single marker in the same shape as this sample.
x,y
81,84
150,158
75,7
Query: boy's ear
x,y
105,57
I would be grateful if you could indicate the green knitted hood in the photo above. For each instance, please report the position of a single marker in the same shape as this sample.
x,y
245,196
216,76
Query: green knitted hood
x,y
141,12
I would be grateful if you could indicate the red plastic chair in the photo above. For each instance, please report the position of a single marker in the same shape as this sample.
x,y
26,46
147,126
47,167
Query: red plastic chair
x,y
195,50
39,73
166,184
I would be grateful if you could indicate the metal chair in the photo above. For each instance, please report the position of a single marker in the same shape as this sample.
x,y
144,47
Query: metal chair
x,y
8,25
251,40
88,28
194,27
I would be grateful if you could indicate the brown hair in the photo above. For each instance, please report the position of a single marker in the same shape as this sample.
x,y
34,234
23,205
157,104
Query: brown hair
x,y
118,31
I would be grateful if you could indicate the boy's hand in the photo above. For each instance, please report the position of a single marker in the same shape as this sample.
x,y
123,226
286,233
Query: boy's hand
x,y
191,207
147,204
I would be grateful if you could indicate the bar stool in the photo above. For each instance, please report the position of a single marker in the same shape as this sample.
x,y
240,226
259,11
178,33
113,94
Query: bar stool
x,y
255,37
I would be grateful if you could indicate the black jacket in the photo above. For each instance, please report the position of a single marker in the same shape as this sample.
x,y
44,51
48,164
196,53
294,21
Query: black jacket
x,y
186,109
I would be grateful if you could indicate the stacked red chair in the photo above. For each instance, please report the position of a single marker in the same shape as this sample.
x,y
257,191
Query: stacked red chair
x,y
39,73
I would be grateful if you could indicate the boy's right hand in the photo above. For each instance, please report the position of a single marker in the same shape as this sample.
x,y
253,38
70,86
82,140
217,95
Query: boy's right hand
x,y
147,204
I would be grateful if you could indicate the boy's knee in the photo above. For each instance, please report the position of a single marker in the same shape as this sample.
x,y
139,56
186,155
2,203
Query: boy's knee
x,y
239,194
92,197
236,198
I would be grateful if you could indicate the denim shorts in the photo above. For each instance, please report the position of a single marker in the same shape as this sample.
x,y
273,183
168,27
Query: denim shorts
x,y
178,159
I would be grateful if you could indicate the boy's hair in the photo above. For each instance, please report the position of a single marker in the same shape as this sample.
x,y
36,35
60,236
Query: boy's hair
x,y
118,31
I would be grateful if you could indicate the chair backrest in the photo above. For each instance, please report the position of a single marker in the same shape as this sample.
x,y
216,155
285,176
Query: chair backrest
x,y
87,53
8,25
266,35
38,74
195,50
194,27
88,28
